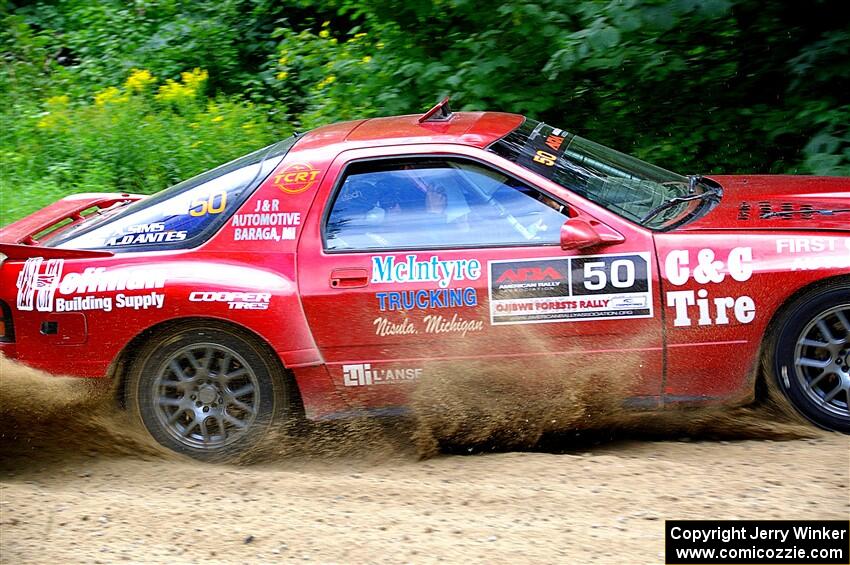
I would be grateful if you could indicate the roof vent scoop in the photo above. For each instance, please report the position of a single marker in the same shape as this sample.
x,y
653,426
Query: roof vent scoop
x,y
439,113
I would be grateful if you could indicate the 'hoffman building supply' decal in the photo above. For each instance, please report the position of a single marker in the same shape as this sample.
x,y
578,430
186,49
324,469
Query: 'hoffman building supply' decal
x,y
570,289
40,280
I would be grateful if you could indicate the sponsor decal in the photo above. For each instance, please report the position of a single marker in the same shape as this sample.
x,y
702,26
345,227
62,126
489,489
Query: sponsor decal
x,y
814,253
145,234
809,244
389,270
362,374
432,324
706,268
40,281
569,289
296,178
235,300
427,299
544,148
436,324
385,327
265,223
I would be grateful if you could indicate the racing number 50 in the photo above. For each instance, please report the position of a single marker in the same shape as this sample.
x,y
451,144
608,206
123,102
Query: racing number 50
x,y
212,204
544,158
621,273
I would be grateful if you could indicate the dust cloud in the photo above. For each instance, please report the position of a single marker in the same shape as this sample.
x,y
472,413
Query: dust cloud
x,y
485,409
43,415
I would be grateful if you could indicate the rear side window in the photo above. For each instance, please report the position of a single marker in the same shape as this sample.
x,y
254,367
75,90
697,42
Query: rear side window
x,y
182,216
431,203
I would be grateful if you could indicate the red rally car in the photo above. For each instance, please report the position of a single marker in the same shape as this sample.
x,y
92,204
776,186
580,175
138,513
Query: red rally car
x,y
323,276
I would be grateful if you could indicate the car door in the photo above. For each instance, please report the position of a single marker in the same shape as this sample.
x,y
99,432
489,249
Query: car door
x,y
426,262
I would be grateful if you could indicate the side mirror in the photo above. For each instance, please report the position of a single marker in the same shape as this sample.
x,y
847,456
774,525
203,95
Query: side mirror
x,y
577,233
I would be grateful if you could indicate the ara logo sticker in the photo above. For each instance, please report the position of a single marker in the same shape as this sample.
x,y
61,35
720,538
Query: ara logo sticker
x,y
296,178
530,274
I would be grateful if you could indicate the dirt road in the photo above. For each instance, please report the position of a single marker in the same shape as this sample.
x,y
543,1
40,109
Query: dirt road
x,y
73,489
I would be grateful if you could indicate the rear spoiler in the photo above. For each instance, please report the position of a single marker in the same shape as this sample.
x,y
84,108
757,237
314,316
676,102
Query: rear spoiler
x,y
16,251
47,220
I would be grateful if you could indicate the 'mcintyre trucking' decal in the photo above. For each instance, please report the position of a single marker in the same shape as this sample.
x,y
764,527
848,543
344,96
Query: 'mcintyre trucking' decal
x,y
570,289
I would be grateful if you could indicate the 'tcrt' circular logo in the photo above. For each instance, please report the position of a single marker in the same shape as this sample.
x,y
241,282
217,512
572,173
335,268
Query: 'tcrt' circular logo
x,y
296,178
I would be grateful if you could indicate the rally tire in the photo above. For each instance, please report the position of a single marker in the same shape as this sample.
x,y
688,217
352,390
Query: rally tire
x,y
811,356
208,391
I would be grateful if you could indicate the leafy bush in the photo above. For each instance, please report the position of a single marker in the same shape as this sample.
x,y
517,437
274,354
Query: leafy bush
x,y
140,137
117,96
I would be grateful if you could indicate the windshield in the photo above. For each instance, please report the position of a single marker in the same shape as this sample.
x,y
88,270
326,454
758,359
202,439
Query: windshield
x,y
182,216
641,192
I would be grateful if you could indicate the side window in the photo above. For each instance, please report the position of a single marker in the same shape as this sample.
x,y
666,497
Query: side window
x,y
183,215
424,203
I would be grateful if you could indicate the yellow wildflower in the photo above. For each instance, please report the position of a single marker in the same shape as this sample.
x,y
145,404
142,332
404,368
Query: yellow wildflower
x,y
326,81
217,119
359,35
57,113
61,100
282,75
367,59
326,23
380,45
173,91
109,95
324,34
195,79
283,60
139,80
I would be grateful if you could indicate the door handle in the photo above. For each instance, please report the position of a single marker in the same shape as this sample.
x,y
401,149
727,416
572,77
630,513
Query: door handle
x,y
349,278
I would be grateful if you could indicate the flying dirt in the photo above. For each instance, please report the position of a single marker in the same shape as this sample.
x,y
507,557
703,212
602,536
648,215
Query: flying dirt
x,y
557,472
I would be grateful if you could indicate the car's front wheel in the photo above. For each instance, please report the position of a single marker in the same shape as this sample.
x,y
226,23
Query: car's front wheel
x,y
811,357
208,391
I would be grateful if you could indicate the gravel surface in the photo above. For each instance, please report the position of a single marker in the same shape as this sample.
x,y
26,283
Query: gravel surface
x,y
78,485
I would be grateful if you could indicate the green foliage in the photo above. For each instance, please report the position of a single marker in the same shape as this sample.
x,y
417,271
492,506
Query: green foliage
x,y
693,85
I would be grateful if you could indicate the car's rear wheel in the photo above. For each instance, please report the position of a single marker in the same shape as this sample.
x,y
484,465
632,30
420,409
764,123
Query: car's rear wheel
x,y
208,391
812,357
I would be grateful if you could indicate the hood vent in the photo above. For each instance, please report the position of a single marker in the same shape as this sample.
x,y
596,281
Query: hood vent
x,y
765,209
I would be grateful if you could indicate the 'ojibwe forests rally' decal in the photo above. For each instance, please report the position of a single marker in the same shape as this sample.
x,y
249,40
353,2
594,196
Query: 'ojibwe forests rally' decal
x,y
570,289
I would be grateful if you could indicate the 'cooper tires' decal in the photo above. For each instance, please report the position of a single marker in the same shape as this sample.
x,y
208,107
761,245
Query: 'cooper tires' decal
x,y
570,289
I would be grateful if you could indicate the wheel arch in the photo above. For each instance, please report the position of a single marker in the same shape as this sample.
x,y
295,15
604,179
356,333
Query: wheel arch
x,y
126,357
762,386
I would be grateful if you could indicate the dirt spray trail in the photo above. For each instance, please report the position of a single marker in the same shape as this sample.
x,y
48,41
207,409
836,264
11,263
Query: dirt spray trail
x,y
485,409
78,484
50,415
